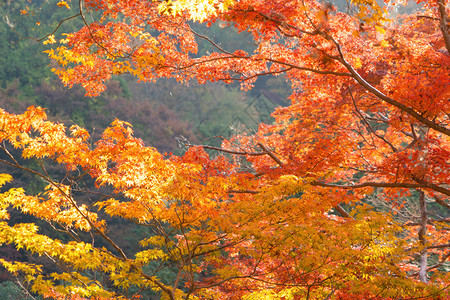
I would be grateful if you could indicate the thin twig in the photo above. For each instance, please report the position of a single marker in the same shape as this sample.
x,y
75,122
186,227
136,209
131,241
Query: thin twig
x,y
368,124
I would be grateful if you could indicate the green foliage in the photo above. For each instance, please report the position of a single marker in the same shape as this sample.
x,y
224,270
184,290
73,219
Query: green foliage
x,y
11,291
225,35
22,56
211,109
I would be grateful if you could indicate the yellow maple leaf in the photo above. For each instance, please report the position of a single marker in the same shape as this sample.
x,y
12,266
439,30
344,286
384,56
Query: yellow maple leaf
x,y
63,4
4,178
380,29
49,40
358,63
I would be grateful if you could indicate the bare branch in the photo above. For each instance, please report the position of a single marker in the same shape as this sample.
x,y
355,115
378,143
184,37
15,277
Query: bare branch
x,y
441,202
440,263
57,27
422,238
342,211
439,246
432,186
370,184
209,40
243,192
323,72
368,124
270,153
24,289
443,24
228,150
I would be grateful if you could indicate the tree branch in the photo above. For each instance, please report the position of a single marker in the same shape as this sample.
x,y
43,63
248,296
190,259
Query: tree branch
x,y
228,150
342,211
441,202
69,198
422,238
387,99
370,184
443,24
368,124
432,186
270,153
57,27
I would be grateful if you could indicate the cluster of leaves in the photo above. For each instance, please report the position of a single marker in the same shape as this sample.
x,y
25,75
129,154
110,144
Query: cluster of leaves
x,y
231,236
157,117
267,217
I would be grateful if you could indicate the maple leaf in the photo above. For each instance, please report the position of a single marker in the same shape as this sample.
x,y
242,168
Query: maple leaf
x,y
329,200
63,4
50,40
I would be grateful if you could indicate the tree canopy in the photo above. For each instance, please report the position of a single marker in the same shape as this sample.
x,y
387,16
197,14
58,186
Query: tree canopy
x,y
344,196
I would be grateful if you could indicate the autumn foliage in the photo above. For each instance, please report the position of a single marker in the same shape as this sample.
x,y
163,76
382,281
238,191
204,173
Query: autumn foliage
x,y
344,196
